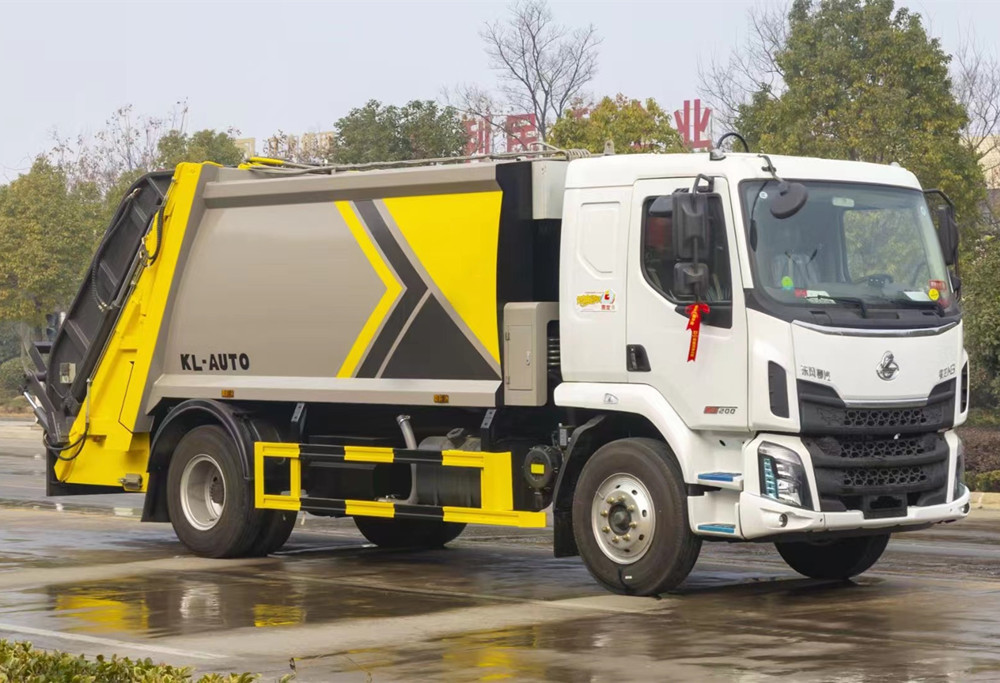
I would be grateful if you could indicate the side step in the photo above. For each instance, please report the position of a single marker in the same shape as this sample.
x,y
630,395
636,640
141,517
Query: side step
x,y
496,488
723,480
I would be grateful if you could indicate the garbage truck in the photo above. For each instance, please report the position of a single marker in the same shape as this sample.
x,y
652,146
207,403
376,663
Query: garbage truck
x,y
644,352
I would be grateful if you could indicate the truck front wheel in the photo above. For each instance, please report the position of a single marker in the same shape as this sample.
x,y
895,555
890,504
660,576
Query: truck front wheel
x,y
407,533
210,503
630,518
840,559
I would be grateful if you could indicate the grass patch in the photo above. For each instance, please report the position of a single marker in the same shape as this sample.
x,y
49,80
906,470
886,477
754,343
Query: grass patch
x,y
19,661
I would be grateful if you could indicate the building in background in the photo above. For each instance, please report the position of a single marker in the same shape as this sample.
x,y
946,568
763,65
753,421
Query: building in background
x,y
248,146
522,132
480,136
991,161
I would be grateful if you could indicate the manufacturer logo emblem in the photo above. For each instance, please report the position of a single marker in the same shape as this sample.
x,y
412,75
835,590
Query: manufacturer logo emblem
x,y
887,368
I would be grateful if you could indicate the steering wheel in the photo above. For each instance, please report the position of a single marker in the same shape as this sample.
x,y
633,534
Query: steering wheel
x,y
875,280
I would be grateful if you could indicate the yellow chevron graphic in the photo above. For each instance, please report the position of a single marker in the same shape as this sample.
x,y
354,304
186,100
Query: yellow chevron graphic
x,y
455,237
393,289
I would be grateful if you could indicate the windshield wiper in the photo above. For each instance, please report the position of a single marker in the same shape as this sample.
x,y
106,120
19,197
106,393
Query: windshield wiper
x,y
859,302
914,303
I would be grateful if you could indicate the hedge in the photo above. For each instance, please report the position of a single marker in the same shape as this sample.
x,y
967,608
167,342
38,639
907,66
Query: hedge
x,y
988,482
20,662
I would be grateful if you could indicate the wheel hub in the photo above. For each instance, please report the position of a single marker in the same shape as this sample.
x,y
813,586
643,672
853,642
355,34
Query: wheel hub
x,y
203,492
623,518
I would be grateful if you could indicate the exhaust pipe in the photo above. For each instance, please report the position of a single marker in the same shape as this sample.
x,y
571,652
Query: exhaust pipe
x,y
411,443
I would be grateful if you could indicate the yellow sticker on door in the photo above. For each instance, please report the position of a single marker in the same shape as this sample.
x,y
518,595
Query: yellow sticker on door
x,y
596,301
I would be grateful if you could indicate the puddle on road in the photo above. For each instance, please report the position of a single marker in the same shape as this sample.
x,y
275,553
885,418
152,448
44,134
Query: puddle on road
x,y
803,630
196,602
469,569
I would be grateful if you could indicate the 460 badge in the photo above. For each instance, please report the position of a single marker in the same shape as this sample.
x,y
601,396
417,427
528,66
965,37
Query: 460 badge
x,y
215,362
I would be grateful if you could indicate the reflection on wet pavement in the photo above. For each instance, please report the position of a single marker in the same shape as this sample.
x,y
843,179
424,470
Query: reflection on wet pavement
x,y
200,602
496,608
793,629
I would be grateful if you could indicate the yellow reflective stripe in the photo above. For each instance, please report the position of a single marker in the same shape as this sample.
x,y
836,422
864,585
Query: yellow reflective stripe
x,y
367,454
516,518
369,508
393,288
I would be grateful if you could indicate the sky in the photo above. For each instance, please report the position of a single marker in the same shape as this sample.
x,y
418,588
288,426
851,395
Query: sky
x,y
260,67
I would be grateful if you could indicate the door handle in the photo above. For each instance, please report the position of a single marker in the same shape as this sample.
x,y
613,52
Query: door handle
x,y
636,358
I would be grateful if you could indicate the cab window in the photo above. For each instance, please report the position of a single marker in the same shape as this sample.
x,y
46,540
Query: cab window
x,y
659,255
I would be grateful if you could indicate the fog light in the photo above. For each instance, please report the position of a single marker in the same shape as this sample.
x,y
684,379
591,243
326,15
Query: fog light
x,y
782,520
782,476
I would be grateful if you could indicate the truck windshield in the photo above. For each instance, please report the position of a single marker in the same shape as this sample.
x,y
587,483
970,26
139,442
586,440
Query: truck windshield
x,y
851,246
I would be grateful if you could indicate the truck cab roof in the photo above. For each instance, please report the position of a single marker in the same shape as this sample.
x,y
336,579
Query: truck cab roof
x,y
608,171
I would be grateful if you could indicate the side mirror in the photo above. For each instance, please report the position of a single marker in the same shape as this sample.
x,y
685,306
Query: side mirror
x,y
948,234
790,200
690,212
947,227
691,279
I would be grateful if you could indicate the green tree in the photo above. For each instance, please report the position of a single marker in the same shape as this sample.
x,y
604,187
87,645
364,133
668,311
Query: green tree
x,y
47,233
205,145
632,125
981,304
862,80
378,132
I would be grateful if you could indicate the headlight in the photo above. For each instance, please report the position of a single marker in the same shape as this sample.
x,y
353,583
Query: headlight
x,y
959,472
782,476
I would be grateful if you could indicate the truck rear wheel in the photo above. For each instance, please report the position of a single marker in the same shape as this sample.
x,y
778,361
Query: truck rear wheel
x,y
407,533
276,529
210,502
630,518
840,559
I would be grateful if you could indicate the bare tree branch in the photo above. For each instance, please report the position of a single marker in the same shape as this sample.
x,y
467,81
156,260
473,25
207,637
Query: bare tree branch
x,y
976,82
750,69
541,65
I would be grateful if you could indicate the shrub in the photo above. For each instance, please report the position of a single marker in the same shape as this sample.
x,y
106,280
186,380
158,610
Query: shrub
x,y
983,481
11,376
19,661
982,448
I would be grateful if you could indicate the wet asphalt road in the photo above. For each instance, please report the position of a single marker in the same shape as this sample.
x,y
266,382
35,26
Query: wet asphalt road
x,y
494,606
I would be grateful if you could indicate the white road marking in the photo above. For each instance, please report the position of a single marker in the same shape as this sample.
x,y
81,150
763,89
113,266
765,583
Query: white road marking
x,y
106,642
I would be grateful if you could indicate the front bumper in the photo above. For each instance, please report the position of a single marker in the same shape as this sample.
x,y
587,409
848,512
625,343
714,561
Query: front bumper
x,y
762,517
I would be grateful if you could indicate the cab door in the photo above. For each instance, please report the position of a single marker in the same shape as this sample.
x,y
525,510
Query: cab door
x,y
709,392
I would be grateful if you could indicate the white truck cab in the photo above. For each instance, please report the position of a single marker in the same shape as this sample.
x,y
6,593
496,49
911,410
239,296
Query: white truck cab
x,y
829,371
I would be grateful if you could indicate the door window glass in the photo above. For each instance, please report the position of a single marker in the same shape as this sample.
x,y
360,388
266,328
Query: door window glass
x,y
659,255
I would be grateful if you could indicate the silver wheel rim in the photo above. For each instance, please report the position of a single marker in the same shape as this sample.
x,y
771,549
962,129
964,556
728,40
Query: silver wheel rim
x,y
203,492
623,518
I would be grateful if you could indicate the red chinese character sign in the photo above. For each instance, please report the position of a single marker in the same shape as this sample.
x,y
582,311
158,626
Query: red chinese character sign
x,y
479,137
692,123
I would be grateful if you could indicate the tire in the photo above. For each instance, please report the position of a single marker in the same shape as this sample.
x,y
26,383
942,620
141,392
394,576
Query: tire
x,y
407,533
210,503
840,559
645,473
277,527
